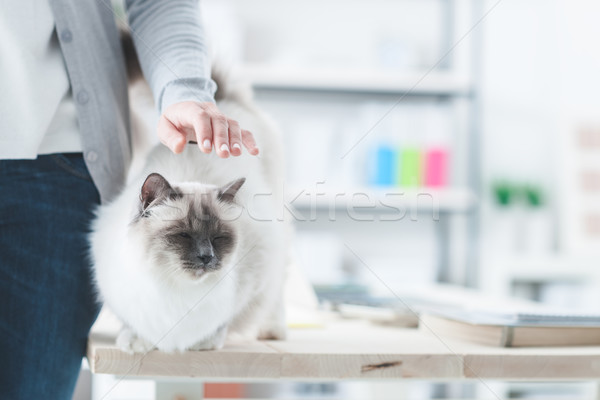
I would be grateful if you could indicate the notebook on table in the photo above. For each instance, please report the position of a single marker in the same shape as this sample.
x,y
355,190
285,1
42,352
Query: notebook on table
x,y
513,327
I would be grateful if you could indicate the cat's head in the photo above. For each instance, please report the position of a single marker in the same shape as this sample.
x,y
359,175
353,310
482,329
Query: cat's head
x,y
187,229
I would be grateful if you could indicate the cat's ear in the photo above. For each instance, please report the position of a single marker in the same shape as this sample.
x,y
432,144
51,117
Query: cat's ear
x,y
228,192
154,190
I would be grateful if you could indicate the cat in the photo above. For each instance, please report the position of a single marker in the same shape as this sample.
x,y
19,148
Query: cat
x,y
194,250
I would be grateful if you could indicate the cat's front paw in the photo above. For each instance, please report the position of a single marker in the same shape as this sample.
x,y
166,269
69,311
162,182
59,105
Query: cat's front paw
x,y
131,343
274,331
206,345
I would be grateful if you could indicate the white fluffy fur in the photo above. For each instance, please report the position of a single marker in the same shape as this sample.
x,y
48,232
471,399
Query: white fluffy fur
x,y
163,307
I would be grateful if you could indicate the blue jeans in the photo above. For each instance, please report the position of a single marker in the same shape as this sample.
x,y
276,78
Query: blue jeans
x,y
47,300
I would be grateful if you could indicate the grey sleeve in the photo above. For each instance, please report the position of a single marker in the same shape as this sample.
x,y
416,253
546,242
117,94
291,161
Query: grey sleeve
x,y
171,47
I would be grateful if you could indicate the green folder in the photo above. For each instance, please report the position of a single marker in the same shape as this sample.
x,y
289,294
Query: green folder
x,y
410,173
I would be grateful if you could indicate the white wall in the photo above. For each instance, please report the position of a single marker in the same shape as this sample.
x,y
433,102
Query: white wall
x,y
519,88
540,83
335,33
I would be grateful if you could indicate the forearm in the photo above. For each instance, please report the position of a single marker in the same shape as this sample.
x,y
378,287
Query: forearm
x,y
171,47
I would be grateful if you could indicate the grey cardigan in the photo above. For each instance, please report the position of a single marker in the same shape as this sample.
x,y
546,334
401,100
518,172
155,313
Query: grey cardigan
x,y
171,47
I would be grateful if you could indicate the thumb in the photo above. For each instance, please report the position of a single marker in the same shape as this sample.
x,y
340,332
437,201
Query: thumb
x,y
170,136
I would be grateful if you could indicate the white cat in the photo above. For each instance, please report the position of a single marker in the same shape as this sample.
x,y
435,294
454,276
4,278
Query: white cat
x,y
195,247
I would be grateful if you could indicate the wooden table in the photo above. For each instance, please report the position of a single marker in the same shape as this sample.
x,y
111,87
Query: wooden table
x,y
351,350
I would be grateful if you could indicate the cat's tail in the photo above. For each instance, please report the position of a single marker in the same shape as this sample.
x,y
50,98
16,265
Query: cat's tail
x,y
132,62
228,87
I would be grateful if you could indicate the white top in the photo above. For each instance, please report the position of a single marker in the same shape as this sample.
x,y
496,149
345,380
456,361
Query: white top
x,y
36,104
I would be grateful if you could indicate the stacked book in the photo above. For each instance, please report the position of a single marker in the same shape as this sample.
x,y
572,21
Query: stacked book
x,y
513,326
467,314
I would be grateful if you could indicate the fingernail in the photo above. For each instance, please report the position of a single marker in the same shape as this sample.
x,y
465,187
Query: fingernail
x,y
224,147
206,144
235,146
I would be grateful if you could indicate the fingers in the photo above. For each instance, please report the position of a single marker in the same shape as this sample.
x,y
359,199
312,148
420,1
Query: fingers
x,y
249,142
220,129
235,138
224,134
203,131
170,136
205,124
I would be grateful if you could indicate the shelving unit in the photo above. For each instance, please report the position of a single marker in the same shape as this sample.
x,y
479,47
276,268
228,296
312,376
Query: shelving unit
x,y
384,199
449,83
542,270
549,268
364,81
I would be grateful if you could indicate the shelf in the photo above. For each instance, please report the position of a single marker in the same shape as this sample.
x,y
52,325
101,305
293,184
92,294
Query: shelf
x,y
387,200
355,81
550,268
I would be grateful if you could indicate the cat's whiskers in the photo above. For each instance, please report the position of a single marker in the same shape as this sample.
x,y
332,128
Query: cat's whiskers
x,y
168,273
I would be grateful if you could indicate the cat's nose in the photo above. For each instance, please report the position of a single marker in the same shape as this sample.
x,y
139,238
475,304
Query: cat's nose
x,y
205,258
204,252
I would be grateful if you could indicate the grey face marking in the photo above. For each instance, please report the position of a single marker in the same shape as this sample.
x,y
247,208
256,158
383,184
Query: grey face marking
x,y
201,239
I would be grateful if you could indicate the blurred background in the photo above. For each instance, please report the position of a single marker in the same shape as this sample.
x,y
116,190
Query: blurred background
x,y
470,130
489,107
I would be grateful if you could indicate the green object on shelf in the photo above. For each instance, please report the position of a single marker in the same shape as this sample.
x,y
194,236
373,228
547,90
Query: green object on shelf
x,y
534,196
504,193
410,164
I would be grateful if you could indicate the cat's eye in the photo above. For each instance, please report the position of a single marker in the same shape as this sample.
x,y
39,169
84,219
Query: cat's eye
x,y
184,235
220,239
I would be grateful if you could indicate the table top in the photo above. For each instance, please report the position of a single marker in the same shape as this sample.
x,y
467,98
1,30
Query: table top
x,y
351,349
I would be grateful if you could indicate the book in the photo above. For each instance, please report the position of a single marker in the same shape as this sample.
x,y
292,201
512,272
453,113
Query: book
x,y
472,315
378,314
515,329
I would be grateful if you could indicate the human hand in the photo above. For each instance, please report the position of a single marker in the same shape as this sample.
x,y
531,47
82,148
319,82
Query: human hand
x,y
204,124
